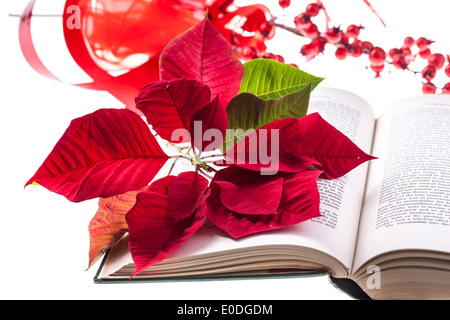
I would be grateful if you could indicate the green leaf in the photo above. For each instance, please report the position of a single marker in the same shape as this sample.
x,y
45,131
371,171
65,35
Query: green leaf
x,y
269,79
247,112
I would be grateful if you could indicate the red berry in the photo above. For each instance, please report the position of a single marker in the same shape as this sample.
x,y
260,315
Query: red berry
x,y
313,9
284,3
249,53
266,30
367,47
377,69
437,60
333,35
309,52
423,42
408,42
399,62
279,58
428,88
406,51
353,31
447,70
312,31
302,21
341,53
269,55
394,52
429,72
424,53
319,43
306,48
377,56
355,50
446,88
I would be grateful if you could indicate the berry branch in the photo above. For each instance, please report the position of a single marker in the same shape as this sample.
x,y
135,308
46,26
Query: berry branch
x,y
348,43
345,42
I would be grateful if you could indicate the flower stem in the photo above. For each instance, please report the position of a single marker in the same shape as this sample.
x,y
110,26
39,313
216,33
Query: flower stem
x,y
173,166
205,174
180,157
211,156
177,157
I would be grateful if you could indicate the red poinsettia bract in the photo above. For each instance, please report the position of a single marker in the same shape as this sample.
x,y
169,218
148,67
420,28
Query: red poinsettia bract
x,y
156,229
103,154
300,143
244,202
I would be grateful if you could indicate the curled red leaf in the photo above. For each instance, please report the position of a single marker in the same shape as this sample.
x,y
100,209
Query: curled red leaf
x,y
208,126
248,192
154,231
298,201
185,193
170,105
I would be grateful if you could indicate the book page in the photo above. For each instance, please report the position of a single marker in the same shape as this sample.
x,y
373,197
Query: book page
x,y
407,201
335,232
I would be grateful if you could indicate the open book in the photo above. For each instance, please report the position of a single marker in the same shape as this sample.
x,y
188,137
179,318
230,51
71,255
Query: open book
x,y
385,225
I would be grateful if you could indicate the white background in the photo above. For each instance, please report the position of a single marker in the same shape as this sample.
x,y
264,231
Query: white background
x,y
44,239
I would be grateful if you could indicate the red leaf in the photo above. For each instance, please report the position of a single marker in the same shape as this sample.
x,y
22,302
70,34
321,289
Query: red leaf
x,y
300,199
249,192
300,143
202,54
299,202
185,194
153,232
106,153
109,224
169,105
212,116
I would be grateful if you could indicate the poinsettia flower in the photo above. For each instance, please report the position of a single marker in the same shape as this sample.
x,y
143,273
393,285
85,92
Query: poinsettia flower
x,y
158,223
112,153
244,202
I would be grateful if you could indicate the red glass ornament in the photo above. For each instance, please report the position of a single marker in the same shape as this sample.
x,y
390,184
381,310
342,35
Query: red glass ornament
x,y
122,33
110,37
